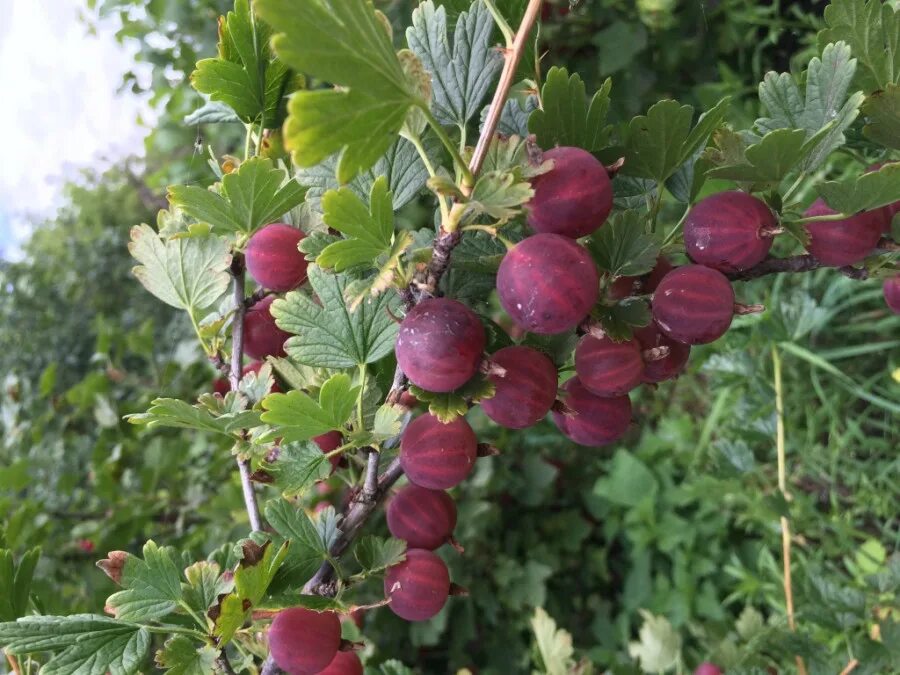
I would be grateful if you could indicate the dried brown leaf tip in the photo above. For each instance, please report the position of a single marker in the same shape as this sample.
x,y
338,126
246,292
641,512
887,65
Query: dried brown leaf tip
x,y
114,565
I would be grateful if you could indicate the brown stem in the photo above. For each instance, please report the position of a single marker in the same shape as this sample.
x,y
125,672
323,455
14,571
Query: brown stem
x,y
793,264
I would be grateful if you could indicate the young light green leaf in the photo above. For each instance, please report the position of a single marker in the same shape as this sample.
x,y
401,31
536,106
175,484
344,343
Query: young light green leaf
x,y
767,162
299,417
621,248
211,112
460,80
228,614
190,273
554,645
369,231
152,587
181,656
864,192
628,481
659,646
375,554
204,584
566,117
882,111
170,412
450,405
872,30
499,195
342,42
299,466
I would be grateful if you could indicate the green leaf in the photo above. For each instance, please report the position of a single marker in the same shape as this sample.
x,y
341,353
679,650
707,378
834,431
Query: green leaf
x,y
256,194
619,320
228,615
245,75
873,32
188,273
621,248
882,111
342,42
459,80
450,405
298,467
628,481
316,603
375,554
659,646
566,117
329,335
864,192
655,141
170,412
181,656
316,535
204,584
87,644
299,417
211,113
554,645
769,161
257,569
151,586
499,195
369,231
15,583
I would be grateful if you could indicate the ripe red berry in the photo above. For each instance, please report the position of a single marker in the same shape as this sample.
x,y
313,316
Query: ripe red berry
x,y
273,258
417,587
343,663
729,231
328,442
892,293
421,517
440,344
304,641
625,287
596,420
548,283
606,367
694,304
262,337
525,395
708,669
436,455
667,367
574,198
221,386
842,242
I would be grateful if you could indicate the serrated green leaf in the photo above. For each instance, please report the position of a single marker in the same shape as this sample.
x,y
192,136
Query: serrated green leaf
x,y
344,43
619,320
151,586
499,195
621,248
299,417
369,230
770,160
653,147
298,467
659,646
293,524
554,645
450,405
628,481
375,554
316,603
170,412
257,569
872,30
181,656
228,615
204,584
864,192
566,117
882,112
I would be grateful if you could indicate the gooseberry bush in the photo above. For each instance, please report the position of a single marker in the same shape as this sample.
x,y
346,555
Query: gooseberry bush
x,y
562,260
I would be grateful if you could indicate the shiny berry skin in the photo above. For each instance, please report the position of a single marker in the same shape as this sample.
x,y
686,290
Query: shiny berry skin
x,y
435,455
421,517
417,587
668,367
597,420
708,669
304,641
440,344
548,284
273,258
625,287
343,663
262,337
524,396
694,304
574,198
892,293
842,242
729,231
606,367
328,442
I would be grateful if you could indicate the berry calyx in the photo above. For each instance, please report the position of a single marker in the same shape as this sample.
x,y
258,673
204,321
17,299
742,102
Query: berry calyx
x,y
694,304
606,367
328,442
625,287
421,517
440,344
304,641
343,663
273,258
892,293
548,283
593,420
729,231
435,455
524,396
262,337
669,366
842,242
707,668
574,198
418,587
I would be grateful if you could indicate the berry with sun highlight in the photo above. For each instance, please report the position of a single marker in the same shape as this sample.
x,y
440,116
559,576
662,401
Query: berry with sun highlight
x,y
273,258
304,641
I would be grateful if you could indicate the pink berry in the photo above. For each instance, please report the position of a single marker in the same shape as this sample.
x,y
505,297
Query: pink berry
x,y
440,344
668,367
525,395
304,641
421,517
892,293
708,669
574,198
273,258
625,287
595,420
417,587
343,663
694,304
328,442
262,337
435,455
842,242
729,231
606,367
548,284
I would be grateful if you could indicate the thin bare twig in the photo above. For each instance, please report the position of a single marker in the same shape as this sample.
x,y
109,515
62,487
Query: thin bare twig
x,y
794,264
370,486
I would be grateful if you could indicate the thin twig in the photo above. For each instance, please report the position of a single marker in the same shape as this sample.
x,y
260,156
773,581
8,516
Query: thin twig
x,y
794,264
14,666
850,667
370,487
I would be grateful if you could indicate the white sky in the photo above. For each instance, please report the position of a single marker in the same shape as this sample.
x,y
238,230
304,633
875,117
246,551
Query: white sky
x,y
59,109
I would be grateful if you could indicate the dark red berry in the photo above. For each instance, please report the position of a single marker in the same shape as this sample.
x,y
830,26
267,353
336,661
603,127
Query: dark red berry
x,y
436,455
304,641
343,663
694,304
440,344
669,366
595,420
421,517
525,395
842,242
418,587
892,293
273,258
606,367
729,231
625,287
548,283
708,669
221,386
262,337
328,442
574,198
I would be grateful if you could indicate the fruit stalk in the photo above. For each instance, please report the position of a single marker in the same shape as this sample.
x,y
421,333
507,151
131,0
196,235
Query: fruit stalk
x,y
793,264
